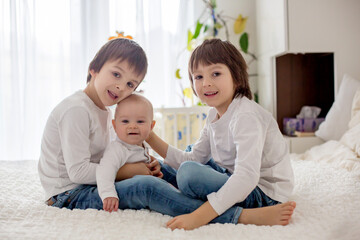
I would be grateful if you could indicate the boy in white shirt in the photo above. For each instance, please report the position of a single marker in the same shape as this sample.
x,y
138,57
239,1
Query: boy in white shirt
x,y
133,123
251,168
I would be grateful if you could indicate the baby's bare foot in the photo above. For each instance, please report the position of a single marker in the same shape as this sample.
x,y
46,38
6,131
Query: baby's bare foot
x,y
279,214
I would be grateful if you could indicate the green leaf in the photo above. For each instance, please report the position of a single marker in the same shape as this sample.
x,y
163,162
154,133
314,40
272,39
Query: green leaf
x,y
190,37
244,42
197,30
256,97
206,28
213,3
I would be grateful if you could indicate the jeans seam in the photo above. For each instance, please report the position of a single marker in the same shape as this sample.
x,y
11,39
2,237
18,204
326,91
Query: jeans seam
x,y
75,193
236,216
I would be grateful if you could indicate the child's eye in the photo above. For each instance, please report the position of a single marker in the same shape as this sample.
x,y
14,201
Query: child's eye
x,y
125,121
198,77
141,121
130,84
117,75
215,74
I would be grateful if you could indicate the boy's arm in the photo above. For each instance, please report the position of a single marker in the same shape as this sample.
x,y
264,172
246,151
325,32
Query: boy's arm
x,y
74,134
140,168
201,216
174,157
157,144
128,170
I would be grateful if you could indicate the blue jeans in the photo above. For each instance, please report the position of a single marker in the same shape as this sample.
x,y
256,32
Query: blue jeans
x,y
197,180
141,192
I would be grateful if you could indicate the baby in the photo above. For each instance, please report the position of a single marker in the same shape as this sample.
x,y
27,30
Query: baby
x,y
133,122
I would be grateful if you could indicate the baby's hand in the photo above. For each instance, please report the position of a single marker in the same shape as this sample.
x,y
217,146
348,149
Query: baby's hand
x,y
111,204
155,167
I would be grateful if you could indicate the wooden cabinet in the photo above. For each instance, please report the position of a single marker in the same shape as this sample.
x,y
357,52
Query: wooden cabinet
x,y
292,31
303,80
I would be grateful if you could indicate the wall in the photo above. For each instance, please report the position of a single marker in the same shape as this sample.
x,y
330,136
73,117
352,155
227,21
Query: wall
x,y
327,26
232,9
271,32
297,26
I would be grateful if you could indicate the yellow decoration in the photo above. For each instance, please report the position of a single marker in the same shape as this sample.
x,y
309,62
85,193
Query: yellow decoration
x,y
120,35
240,24
177,73
188,93
189,42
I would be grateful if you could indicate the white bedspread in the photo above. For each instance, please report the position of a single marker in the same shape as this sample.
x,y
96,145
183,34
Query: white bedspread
x,y
327,193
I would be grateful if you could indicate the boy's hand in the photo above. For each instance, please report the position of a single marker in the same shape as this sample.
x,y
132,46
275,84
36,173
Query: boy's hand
x,y
111,204
201,216
186,221
155,167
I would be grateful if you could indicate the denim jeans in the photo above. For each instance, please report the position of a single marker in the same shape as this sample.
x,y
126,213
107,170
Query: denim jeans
x,y
197,180
141,192
194,180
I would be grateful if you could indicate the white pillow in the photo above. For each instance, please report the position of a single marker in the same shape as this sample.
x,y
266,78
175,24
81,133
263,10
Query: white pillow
x,y
351,137
355,110
338,117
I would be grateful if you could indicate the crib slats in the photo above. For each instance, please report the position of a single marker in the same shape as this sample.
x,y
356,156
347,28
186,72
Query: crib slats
x,y
180,126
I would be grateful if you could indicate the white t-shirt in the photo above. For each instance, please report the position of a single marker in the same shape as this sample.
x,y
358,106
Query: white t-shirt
x,y
115,156
246,140
75,137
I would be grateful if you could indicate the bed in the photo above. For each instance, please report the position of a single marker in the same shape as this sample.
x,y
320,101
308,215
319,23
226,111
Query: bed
x,y
327,193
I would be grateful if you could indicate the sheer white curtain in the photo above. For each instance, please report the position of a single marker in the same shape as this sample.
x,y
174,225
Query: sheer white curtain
x,y
46,46
41,63
160,27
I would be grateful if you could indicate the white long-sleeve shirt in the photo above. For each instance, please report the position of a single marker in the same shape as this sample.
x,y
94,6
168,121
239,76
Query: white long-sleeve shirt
x,y
75,137
115,156
246,140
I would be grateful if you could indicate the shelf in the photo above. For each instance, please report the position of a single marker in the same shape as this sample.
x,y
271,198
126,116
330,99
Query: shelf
x,y
301,144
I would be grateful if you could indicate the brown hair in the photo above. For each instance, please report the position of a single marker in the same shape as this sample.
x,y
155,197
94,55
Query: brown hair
x,y
120,49
213,51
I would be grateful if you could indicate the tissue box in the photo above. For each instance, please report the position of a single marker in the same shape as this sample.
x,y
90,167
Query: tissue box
x,y
290,125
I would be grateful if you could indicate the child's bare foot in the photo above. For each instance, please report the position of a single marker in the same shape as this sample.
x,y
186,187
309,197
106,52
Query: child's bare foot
x,y
279,214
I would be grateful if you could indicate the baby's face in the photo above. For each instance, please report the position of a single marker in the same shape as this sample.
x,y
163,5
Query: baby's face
x,y
133,122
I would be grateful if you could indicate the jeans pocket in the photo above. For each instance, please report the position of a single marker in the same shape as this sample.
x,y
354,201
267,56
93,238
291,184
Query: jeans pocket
x,y
59,200
65,198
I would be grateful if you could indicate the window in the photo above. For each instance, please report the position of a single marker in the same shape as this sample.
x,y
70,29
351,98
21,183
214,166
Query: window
x,y
46,46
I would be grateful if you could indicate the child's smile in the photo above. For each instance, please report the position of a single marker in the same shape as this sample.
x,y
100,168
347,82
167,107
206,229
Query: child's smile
x,y
211,94
134,133
133,121
214,86
112,95
114,82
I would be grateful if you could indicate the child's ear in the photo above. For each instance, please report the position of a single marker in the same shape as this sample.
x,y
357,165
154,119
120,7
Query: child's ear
x,y
113,123
153,124
92,72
